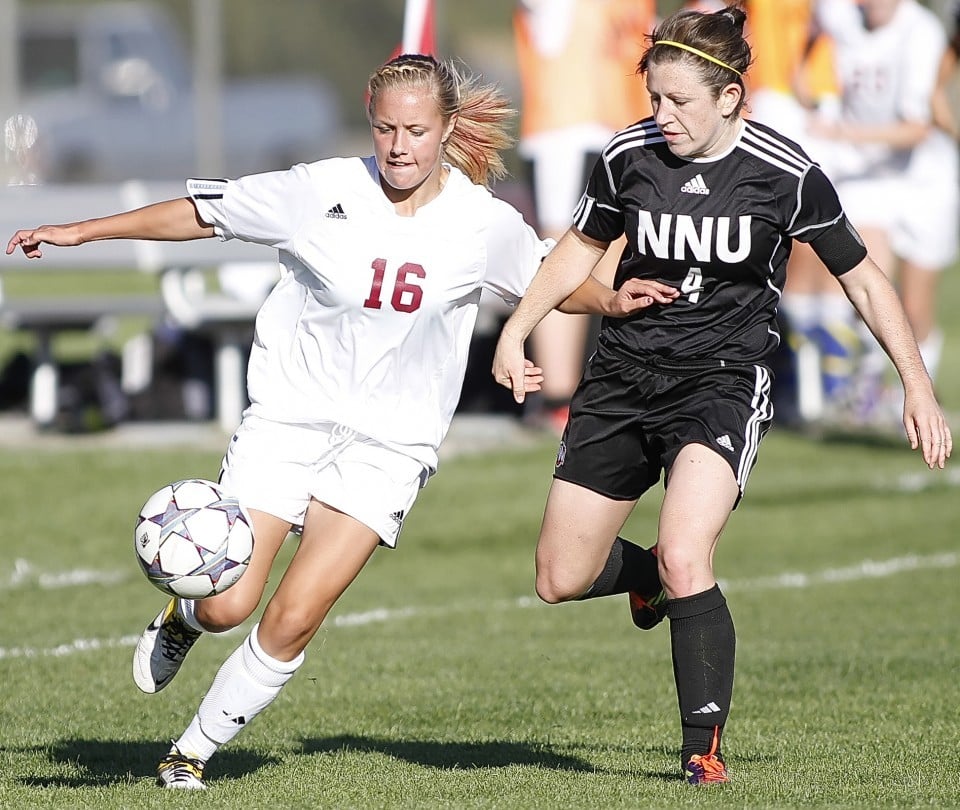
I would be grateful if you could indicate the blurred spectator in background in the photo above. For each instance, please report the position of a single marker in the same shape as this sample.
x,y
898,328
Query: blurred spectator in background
x,y
895,172
794,77
935,170
577,62
944,115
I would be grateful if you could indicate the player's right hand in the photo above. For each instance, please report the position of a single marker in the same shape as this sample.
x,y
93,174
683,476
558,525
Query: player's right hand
x,y
638,293
512,370
30,239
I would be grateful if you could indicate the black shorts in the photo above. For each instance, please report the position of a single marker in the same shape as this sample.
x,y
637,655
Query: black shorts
x,y
629,421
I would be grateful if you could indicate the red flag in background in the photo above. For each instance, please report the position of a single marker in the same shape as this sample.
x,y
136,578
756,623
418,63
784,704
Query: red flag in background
x,y
418,29
418,32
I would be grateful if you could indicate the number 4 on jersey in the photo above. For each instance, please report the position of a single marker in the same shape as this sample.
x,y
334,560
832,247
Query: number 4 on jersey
x,y
692,285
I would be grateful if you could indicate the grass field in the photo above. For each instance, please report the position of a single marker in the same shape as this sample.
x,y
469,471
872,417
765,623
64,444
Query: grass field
x,y
440,681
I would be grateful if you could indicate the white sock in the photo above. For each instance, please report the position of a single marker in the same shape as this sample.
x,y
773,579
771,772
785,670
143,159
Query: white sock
x,y
874,363
931,349
246,684
802,310
186,611
836,309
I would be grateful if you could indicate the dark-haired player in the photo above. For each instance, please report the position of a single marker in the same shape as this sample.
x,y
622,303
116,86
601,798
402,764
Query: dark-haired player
x,y
709,203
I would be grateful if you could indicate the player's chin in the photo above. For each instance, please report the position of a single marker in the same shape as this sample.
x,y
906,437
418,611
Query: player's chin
x,y
403,178
682,149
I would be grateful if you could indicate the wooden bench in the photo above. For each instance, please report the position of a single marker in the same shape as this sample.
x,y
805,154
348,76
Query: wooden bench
x,y
179,297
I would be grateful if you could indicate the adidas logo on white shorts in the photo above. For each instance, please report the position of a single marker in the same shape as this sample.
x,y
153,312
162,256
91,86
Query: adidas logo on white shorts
x,y
336,212
695,186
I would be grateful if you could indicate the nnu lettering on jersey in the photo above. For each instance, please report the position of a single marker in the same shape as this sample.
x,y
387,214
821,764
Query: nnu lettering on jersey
x,y
682,237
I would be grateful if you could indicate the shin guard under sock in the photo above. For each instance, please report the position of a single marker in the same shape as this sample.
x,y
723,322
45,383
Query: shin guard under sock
x,y
628,568
246,684
703,643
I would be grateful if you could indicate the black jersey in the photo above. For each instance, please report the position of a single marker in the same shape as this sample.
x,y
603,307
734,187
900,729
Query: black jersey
x,y
719,229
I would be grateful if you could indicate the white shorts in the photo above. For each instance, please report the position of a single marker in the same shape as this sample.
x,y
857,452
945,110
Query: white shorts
x,y
277,468
931,207
920,219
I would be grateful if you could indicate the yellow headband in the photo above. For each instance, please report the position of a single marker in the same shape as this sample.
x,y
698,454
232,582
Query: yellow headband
x,y
698,52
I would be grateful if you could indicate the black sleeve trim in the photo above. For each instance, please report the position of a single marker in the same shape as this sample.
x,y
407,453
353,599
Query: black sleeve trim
x,y
840,247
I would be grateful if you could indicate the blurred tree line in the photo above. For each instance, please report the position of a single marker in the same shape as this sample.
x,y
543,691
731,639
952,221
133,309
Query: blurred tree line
x,y
344,40
341,40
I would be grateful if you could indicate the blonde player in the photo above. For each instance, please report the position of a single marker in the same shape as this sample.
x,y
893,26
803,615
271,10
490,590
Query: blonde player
x,y
356,367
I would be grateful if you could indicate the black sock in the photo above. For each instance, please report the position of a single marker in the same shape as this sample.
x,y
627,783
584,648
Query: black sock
x,y
629,568
703,643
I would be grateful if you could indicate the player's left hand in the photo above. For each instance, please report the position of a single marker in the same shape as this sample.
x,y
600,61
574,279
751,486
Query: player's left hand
x,y
927,429
637,293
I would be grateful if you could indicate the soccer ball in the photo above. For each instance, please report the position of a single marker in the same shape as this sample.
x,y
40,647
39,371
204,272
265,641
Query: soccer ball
x,y
192,539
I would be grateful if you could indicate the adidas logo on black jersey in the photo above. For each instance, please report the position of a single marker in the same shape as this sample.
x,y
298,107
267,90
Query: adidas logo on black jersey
x,y
695,186
336,212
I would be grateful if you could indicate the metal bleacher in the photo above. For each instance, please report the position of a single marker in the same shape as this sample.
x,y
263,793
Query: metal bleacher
x,y
225,318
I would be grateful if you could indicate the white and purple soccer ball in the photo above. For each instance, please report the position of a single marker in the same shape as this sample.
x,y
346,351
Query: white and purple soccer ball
x,y
192,539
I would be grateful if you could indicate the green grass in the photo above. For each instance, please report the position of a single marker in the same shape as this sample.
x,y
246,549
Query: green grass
x,y
467,693
840,568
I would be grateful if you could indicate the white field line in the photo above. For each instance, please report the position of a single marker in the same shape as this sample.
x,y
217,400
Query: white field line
x,y
25,574
866,569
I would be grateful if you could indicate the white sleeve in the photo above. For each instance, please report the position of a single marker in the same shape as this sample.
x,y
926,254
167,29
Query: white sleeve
x,y
264,208
514,253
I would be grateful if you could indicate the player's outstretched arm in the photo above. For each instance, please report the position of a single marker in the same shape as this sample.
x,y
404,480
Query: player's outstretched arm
x,y
875,298
172,220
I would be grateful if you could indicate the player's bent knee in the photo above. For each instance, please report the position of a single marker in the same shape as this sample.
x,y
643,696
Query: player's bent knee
x,y
224,612
285,633
553,590
683,574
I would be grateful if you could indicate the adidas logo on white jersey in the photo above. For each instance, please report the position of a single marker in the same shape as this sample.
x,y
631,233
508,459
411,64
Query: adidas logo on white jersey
x,y
336,212
695,186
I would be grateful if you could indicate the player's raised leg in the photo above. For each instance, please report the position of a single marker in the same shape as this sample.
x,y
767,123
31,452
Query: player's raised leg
x,y
581,556
165,642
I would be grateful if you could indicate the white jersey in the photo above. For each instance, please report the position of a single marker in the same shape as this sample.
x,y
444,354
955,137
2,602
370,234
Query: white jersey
x,y
371,322
887,74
